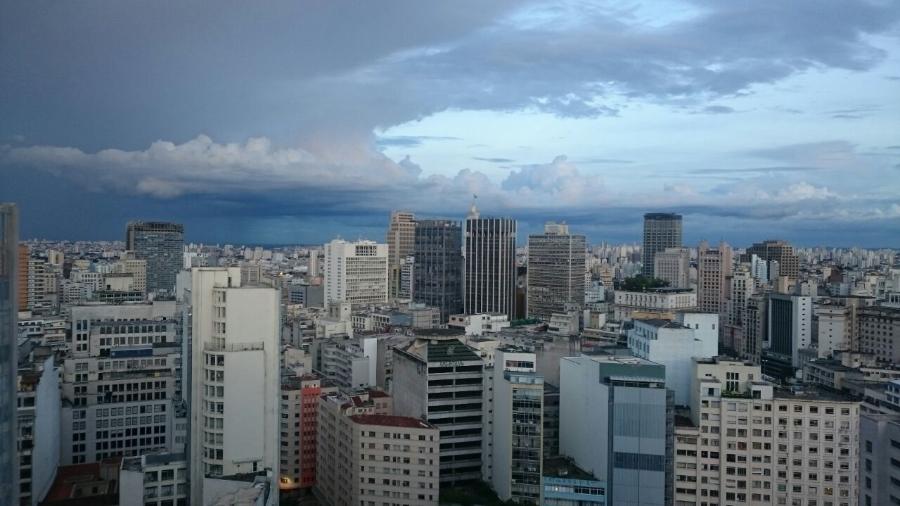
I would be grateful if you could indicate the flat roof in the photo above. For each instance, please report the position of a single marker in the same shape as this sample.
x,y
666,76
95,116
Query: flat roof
x,y
392,421
662,324
563,467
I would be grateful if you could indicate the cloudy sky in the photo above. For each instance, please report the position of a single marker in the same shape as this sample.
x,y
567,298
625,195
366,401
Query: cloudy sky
x,y
295,121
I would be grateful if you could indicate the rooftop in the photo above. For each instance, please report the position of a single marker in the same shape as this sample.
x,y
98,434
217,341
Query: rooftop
x,y
662,324
563,467
392,421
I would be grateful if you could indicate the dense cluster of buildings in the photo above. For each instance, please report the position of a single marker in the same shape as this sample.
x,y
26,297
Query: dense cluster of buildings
x,y
447,360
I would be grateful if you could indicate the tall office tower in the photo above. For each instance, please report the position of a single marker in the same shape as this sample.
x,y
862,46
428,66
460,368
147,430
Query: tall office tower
x,y
714,267
747,442
162,246
673,265
439,379
438,274
661,231
742,287
774,253
42,286
400,237
756,327
119,382
789,331
22,277
9,237
556,267
515,428
879,452
625,445
236,380
356,272
489,275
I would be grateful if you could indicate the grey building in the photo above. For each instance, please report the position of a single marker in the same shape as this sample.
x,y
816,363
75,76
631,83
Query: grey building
x,y
162,246
439,379
9,237
556,270
627,445
879,453
489,281
661,231
437,279
775,252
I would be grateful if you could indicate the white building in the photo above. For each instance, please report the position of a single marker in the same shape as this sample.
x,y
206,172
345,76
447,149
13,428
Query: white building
x,y
154,479
674,345
479,324
235,380
514,427
624,443
356,272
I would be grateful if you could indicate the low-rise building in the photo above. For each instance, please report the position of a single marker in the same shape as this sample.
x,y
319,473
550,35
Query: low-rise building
x,y
154,479
662,301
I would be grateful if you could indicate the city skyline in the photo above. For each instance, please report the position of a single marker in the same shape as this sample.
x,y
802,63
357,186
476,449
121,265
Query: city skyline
x,y
646,108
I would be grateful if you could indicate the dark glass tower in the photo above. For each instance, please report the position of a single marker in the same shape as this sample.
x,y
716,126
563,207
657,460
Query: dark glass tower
x,y
9,483
661,231
490,265
162,246
438,269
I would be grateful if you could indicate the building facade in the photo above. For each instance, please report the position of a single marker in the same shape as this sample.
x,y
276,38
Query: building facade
x,y
779,257
162,246
673,265
489,275
299,429
400,239
661,231
9,236
656,300
438,278
439,379
235,379
714,268
556,271
625,445
744,442
356,272
879,332
879,451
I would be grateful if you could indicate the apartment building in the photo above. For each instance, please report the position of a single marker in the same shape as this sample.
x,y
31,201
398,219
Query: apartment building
x,y
746,442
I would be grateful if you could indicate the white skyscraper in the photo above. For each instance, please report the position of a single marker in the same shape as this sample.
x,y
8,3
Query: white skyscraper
x,y
236,382
356,272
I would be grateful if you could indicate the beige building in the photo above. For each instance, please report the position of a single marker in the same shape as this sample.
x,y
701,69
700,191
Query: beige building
x,y
138,270
356,272
368,457
714,267
745,442
401,236
662,301
673,265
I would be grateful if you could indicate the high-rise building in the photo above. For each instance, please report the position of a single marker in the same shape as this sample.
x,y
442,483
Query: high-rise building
x,y
162,246
489,249
367,456
661,231
514,427
38,427
400,237
778,255
878,330
789,331
9,237
356,272
746,442
556,269
714,268
137,267
22,276
235,379
439,379
879,453
756,327
438,277
627,441
673,265
299,429
121,382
